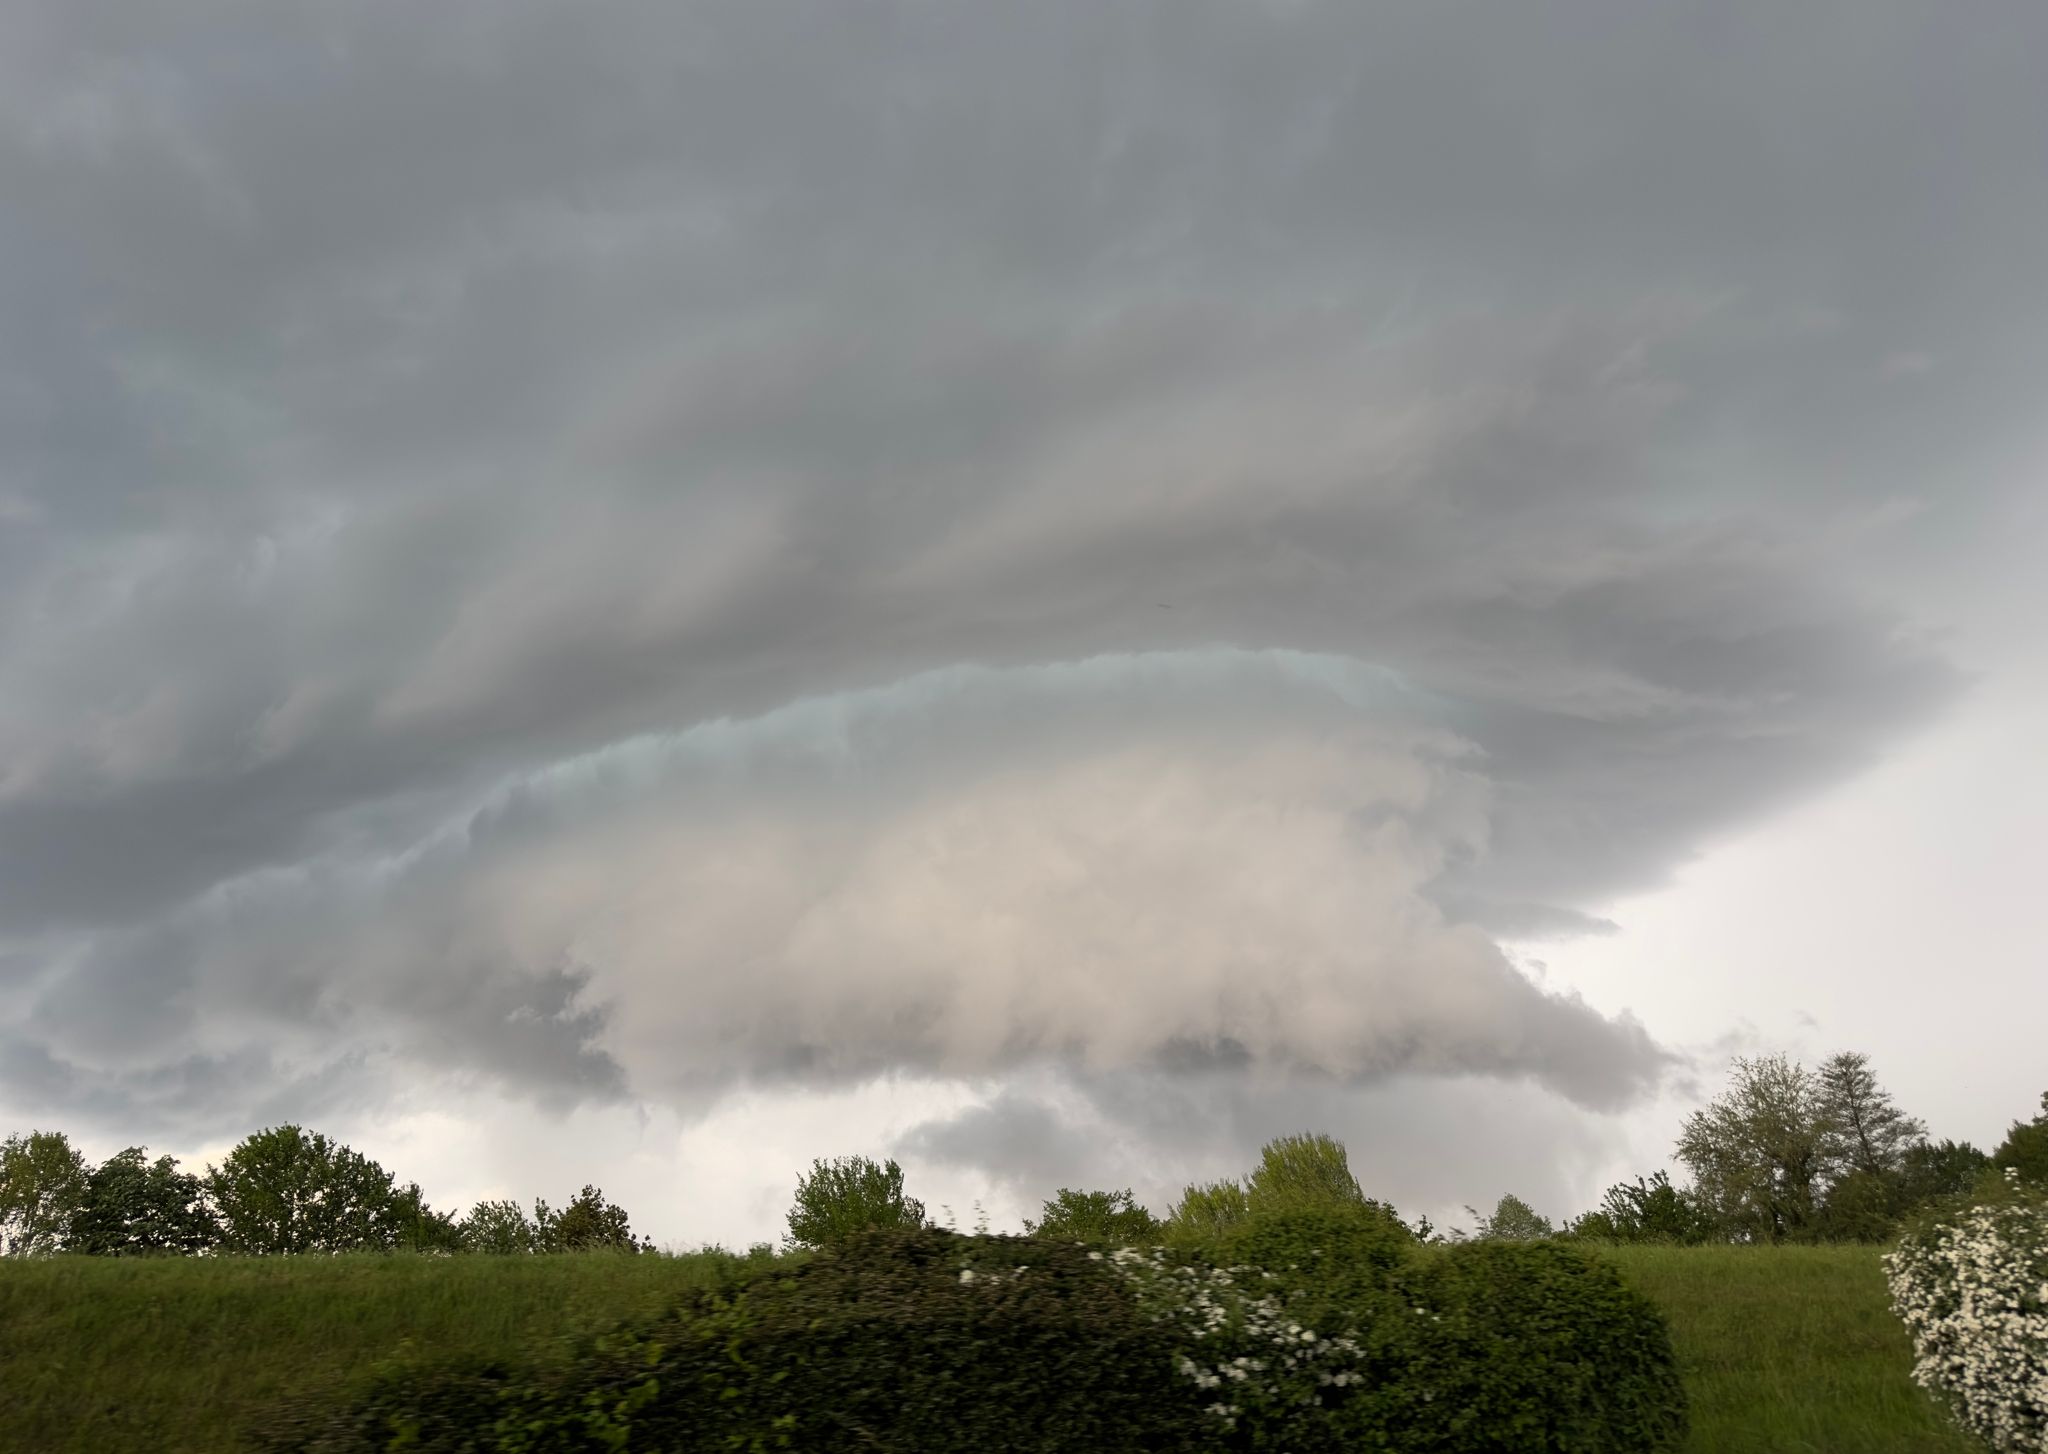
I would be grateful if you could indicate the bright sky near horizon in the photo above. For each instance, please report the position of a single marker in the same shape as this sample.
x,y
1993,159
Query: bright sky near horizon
x,y
641,592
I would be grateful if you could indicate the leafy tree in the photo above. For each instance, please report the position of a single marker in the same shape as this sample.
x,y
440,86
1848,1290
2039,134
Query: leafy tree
x,y
286,1189
588,1224
1646,1211
1861,1206
2025,1148
1757,1151
1204,1211
1865,1131
498,1227
42,1179
1302,1171
1513,1220
132,1206
1113,1217
419,1227
847,1194
1934,1169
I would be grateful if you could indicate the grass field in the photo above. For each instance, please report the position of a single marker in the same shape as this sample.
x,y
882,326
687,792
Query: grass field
x,y
1790,1350
1785,1350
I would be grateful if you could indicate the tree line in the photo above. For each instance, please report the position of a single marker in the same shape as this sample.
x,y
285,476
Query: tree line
x,y
283,1190
1784,1154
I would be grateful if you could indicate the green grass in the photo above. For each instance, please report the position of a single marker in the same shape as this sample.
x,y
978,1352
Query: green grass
x,y
1790,1350
1785,1350
183,1354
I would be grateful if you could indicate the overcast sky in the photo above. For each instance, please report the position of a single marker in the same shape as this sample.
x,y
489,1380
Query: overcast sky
x,y
644,592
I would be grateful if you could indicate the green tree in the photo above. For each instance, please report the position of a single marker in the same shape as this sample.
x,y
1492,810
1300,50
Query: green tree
x,y
1935,1169
588,1224
286,1190
1646,1211
1111,1217
1757,1151
498,1227
1300,1172
1513,1220
847,1194
2025,1148
419,1227
132,1207
42,1179
1206,1210
1865,1130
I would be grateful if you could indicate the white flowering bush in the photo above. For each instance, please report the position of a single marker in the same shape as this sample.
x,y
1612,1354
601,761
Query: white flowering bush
x,y
1971,1285
1239,1342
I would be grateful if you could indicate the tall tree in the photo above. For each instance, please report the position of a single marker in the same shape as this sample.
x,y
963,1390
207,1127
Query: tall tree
x,y
1866,1131
132,1207
286,1189
848,1194
1757,1151
42,1178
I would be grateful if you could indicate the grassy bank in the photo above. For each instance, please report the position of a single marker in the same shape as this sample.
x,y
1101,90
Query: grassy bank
x,y
1790,1350
182,1354
1785,1350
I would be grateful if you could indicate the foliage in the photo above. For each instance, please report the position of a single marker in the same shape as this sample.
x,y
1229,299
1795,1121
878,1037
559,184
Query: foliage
x,y
1645,1211
1305,1170
1328,1329
588,1224
2025,1148
42,1178
1110,1218
1757,1151
1783,1348
1971,1284
498,1227
419,1227
131,1206
1513,1220
903,1339
1862,1130
285,1189
1295,1172
1932,1170
1207,1209
846,1195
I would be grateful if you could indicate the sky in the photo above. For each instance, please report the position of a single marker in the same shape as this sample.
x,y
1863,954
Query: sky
x,y
640,593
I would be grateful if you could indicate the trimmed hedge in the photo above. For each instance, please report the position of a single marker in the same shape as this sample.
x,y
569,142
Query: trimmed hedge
x,y
1343,1335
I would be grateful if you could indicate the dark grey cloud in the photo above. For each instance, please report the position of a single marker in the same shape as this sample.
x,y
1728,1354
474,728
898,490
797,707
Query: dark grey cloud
x,y
410,420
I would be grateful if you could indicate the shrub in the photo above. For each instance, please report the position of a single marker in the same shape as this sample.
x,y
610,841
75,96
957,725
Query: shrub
x,y
1332,1330
1971,1284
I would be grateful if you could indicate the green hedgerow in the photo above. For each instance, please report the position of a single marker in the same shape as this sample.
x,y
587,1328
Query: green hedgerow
x,y
1332,1330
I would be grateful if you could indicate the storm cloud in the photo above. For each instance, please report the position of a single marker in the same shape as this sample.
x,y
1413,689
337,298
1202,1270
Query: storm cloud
x,y
618,554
